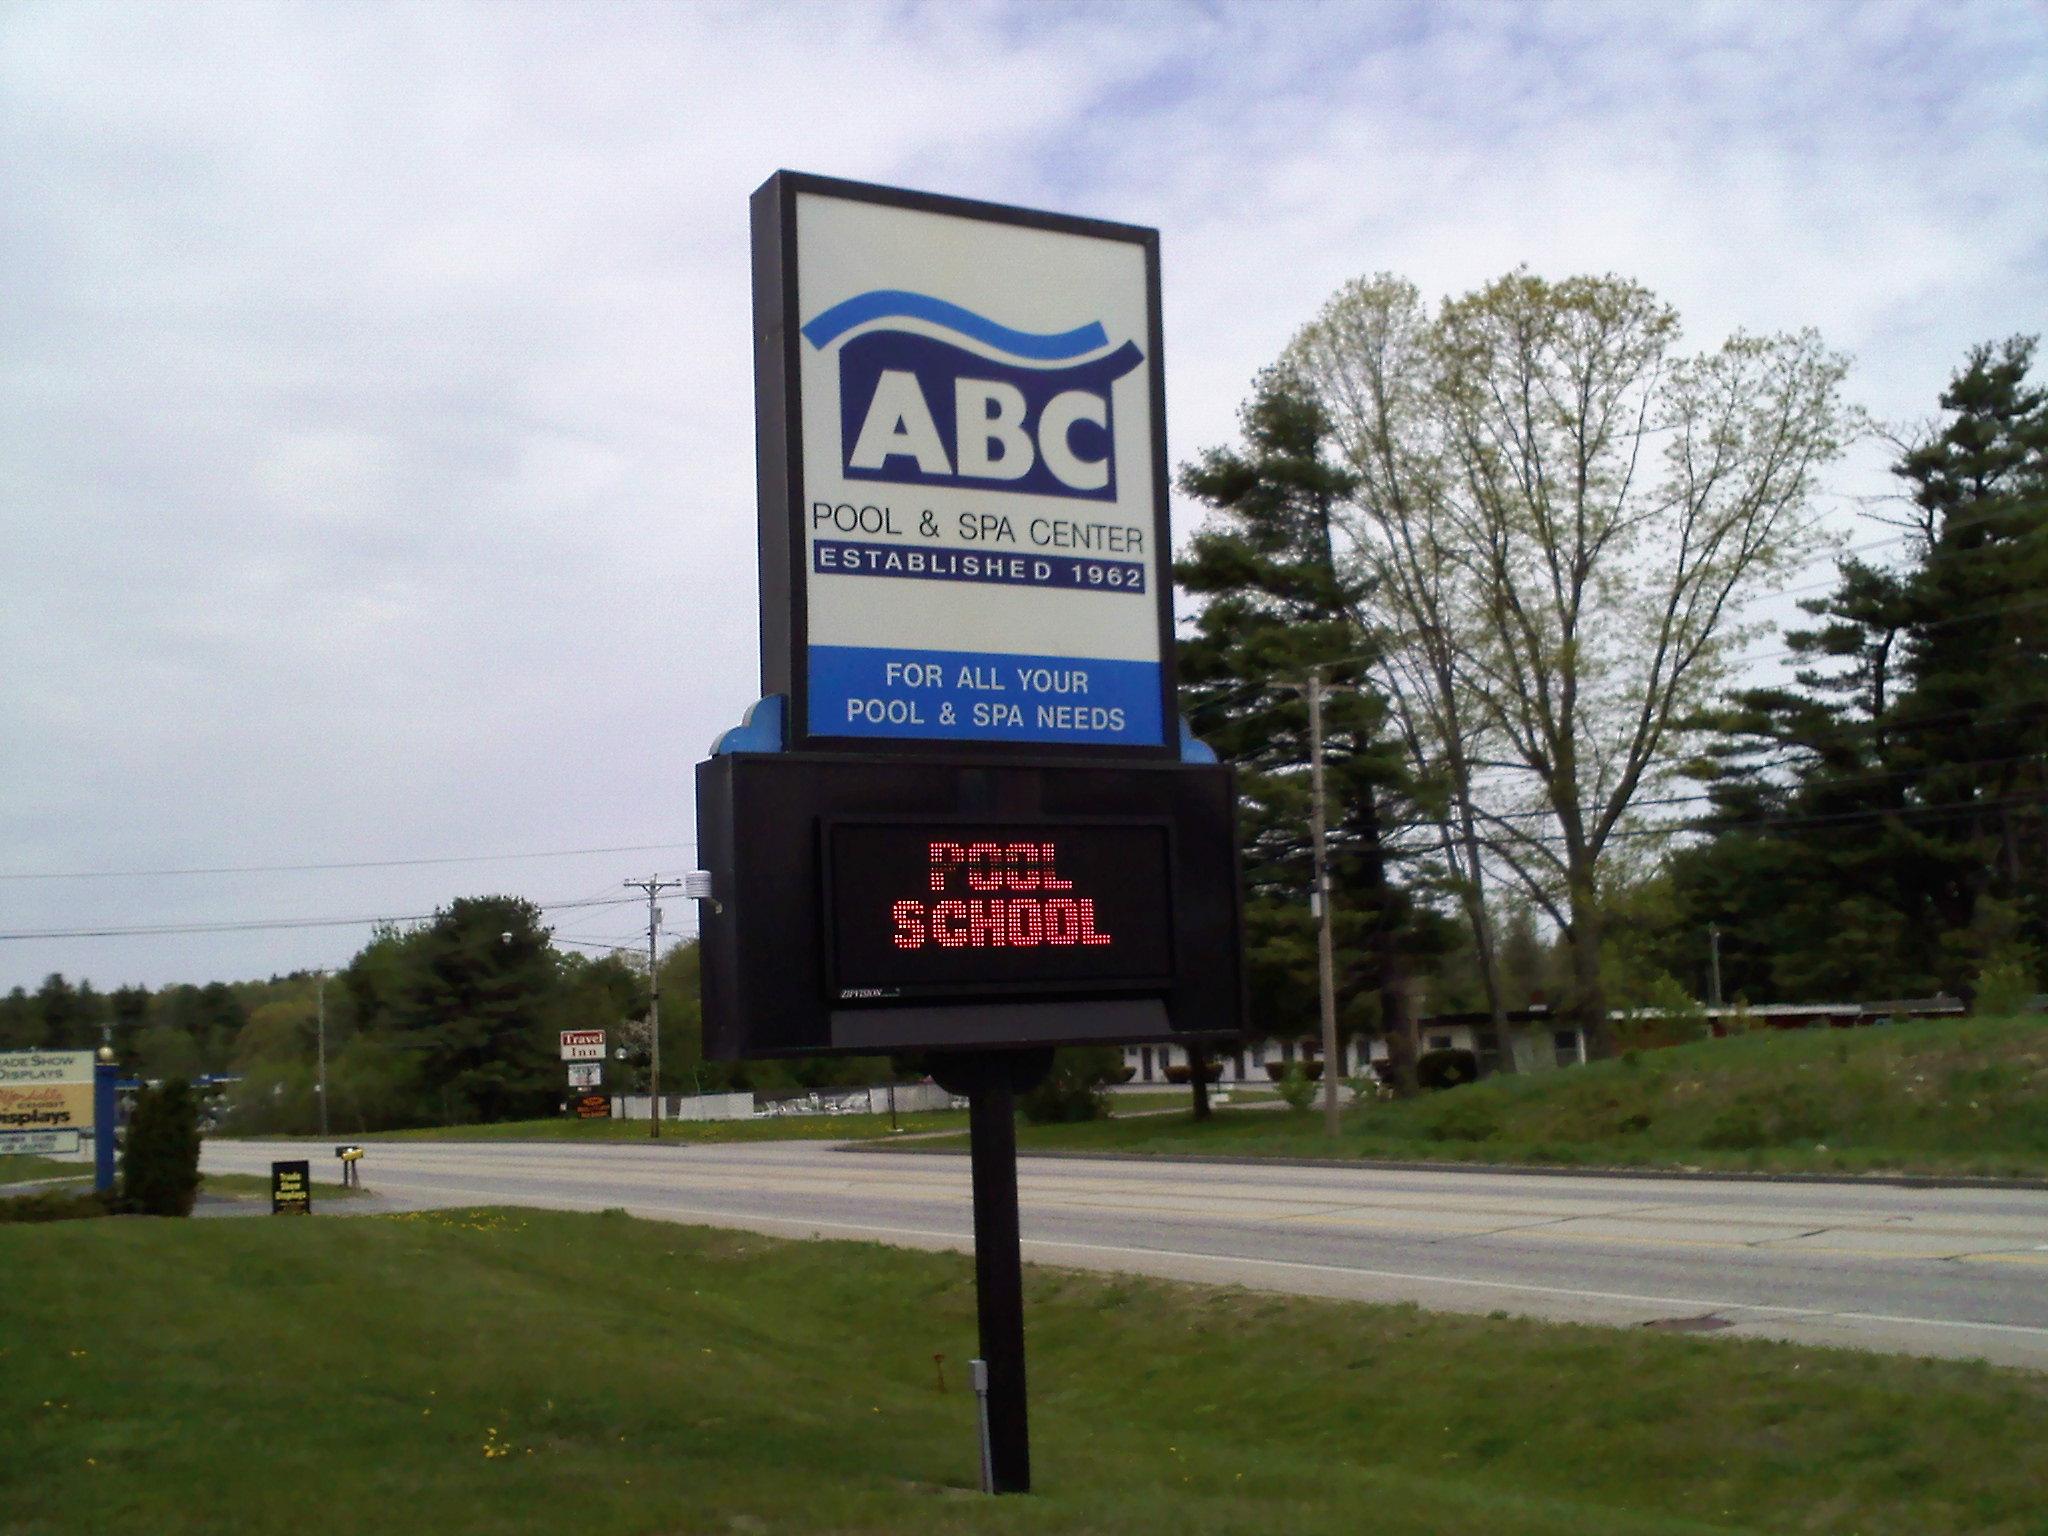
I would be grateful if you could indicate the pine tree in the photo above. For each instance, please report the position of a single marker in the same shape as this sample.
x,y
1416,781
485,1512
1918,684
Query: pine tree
x,y
160,1160
1277,603
1879,824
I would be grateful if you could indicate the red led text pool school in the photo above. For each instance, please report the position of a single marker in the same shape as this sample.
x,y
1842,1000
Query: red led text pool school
x,y
1001,907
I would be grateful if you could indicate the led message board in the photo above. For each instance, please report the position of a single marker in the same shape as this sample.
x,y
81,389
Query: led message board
x,y
874,904
934,908
962,474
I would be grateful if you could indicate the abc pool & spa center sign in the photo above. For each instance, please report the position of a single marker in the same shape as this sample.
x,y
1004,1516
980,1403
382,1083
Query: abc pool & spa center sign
x,y
963,472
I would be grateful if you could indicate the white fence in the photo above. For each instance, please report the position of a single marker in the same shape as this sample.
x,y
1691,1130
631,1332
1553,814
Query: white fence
x,y
910,1098
683,1106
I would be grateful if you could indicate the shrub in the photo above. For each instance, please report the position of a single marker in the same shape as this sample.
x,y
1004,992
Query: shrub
x,y
160,1163
1466,1118
1297,1087
54,1205
1312,1070
1445,1069
1776,1116
1737,1127
1072,1090
2004,990
1366,1087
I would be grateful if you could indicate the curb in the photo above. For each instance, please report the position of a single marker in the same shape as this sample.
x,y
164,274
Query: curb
x,y
1522,1170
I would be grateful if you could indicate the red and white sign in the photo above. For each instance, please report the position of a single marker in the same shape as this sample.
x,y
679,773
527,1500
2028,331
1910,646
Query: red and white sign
x,y
583,1045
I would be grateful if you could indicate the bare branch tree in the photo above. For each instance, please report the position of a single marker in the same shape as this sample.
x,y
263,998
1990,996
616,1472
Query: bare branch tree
x,y
1564,517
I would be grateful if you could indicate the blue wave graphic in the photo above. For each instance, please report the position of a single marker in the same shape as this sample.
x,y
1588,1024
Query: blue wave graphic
x,y
892,303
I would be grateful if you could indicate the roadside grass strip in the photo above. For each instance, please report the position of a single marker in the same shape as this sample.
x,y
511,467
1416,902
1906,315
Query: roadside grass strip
x,y
1962,1098
31,1170
477,1372
768,1128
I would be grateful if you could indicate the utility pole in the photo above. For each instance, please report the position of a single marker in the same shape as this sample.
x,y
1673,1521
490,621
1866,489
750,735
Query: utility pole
x,y
1714,969
1326,964
654,886
320,1026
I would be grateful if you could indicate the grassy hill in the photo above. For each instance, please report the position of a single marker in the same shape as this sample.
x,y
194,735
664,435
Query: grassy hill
x,y
486,1373
1949,1097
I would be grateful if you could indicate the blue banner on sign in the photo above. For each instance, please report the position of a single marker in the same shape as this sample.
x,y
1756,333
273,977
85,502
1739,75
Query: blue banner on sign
x,y
983,696
918,562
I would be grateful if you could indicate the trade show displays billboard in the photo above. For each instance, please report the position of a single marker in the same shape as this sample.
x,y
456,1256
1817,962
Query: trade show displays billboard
x,y
962,474
46,1101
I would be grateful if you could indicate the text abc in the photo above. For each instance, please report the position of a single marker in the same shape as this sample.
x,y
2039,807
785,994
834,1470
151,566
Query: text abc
x,y
997,436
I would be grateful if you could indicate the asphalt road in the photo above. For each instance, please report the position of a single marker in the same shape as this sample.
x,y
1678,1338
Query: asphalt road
x,y
1923,1271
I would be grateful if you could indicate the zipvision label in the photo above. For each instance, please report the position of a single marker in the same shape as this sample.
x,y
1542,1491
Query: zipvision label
x,y
918,410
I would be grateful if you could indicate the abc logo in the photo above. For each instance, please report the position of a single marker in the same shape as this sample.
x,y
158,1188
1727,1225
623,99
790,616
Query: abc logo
x,y
917,410
994,435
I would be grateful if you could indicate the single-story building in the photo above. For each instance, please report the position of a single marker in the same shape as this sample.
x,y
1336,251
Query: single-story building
x,y
1541,1039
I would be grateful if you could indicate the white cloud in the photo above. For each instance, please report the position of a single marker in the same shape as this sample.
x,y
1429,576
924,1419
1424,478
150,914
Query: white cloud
x,y
375,436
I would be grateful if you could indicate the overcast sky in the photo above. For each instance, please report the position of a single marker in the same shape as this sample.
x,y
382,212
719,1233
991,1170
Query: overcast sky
x,y
375,405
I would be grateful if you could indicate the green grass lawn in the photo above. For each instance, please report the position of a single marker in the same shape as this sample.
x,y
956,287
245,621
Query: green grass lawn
x,y
777,1128
24,1170
1954,1097
256,1186
485,1372
1179,1098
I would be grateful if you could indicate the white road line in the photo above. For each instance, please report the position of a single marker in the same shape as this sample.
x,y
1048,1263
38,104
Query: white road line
x,y
1296,1265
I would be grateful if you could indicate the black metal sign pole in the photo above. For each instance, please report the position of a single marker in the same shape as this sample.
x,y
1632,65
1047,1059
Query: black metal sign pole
x,y
999,1280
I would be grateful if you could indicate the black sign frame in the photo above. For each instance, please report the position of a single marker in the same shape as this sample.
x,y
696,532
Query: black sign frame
x,y
760,820
778,439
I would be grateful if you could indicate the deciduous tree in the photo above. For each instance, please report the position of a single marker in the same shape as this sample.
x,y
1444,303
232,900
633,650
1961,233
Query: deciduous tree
x,y
1566,514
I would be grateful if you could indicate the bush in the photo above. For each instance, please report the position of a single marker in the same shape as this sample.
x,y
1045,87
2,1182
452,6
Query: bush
x,y
1312,1070
1297,1087
54,1205
2004,990
1465,1118
1445,1069
1769,1117
1366,1087
1736,1127
1072,1090
160,1163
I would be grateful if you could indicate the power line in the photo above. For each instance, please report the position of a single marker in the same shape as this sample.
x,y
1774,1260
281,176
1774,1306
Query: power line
x,y
1907,631
1765,824
632,948
267,869
264,925
1857,549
